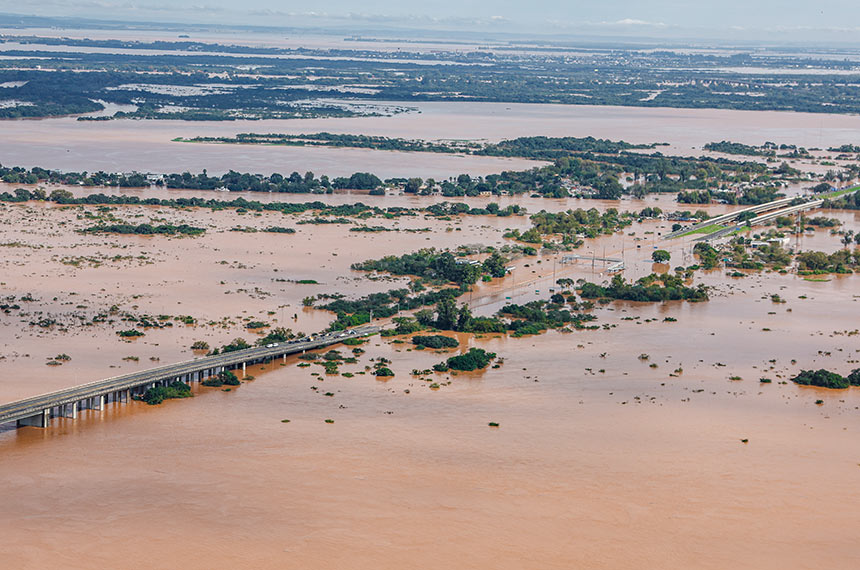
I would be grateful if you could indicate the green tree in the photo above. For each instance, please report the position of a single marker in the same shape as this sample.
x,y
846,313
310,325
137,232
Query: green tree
x,y
495,265
464,318
413,185
446,314
661,256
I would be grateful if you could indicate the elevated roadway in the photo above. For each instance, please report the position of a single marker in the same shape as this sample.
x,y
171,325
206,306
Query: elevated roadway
x,y
759,220
731,216
38,411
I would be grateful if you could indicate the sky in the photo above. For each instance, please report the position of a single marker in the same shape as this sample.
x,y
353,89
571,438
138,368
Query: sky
x,y
794,20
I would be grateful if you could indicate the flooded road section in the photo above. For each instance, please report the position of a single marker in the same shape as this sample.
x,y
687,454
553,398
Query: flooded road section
x,y
624,447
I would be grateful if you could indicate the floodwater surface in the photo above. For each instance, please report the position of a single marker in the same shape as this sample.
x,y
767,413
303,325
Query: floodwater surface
x,y
629,446
147,146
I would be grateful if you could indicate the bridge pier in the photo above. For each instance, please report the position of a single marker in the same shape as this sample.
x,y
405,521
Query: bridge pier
x,y
39,410
40,420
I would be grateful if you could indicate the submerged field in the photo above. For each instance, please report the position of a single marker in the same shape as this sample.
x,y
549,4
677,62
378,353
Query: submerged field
x,y
646,442
633,435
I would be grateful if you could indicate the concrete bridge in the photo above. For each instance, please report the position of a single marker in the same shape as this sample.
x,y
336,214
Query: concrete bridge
x,y
763,218
731,216
764,213
39,410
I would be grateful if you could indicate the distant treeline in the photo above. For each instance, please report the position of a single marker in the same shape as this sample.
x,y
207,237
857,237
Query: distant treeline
x,y
538,148
768,149
145,229
359,209
303,83
587,167
748,197
336,140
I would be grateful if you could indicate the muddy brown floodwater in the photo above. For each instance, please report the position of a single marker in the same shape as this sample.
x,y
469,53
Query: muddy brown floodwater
x,y
146,146
603,458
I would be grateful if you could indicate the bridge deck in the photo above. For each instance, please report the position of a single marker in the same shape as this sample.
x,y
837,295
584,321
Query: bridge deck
x,y
29,407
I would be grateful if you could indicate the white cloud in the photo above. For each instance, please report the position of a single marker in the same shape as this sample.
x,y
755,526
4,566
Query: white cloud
x,y
635,22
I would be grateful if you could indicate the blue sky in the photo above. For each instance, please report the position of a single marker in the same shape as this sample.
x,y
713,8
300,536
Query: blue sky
x,y
797,20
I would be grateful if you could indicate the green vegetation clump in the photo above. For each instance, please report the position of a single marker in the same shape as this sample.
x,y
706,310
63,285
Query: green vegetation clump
x,y
384,371
707,254
475,359
652,288
536,317
435,341
223,378
434,265
817,262
130,333
236,344
748,197
826,379
332,355
276,335
352,313
727,147
404,325
738,255
572,224
146,229
158,394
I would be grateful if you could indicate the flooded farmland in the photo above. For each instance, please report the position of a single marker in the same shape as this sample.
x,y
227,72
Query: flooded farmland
x,y
669,436
601,459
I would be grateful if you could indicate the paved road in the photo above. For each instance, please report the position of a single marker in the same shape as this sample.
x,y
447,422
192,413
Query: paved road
x,y
730,217
757,221
33,406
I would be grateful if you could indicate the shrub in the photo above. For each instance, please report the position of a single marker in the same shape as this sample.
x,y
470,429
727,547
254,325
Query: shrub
x,y
131,333
823,379
221,379
176,389
435,341
475,359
